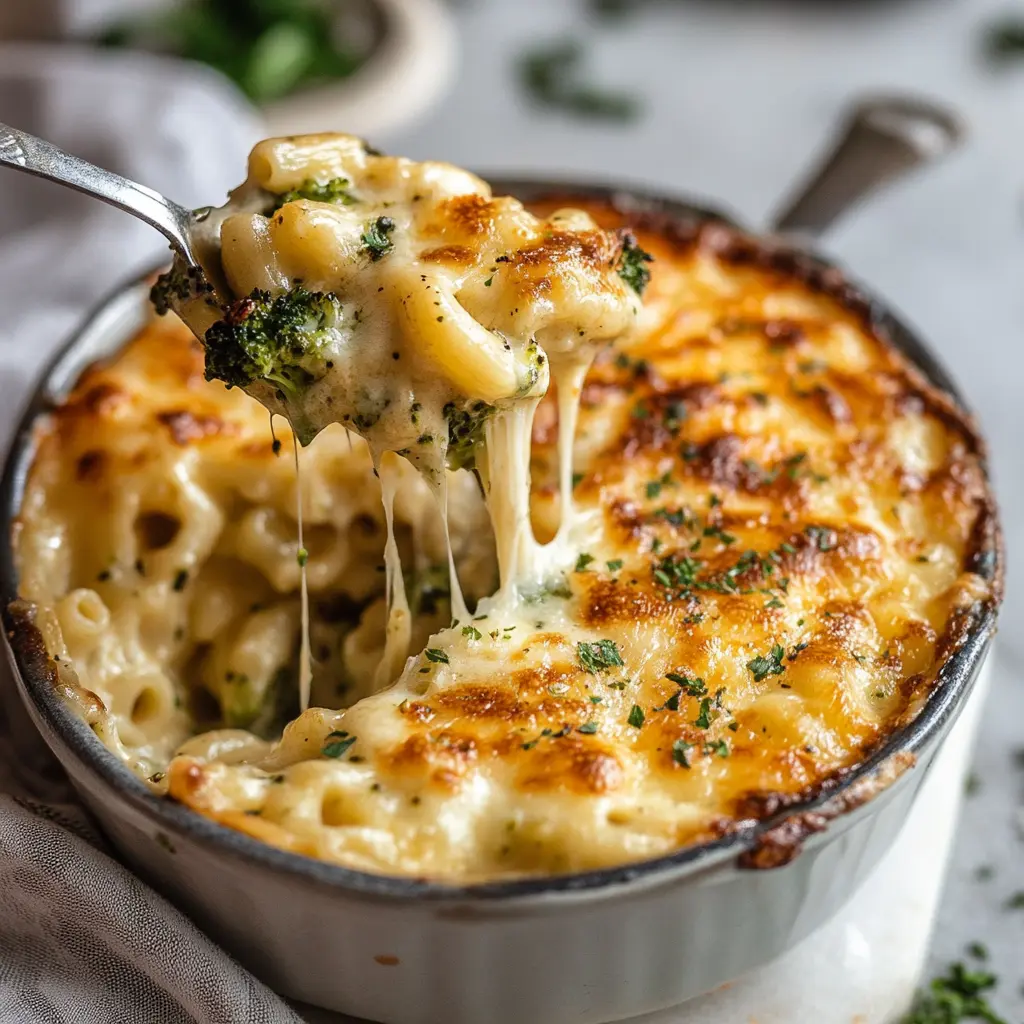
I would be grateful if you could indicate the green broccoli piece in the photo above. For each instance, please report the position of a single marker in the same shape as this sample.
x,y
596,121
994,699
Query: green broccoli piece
x,y
272,338
465,433
177,285
376,238
333,191
631,263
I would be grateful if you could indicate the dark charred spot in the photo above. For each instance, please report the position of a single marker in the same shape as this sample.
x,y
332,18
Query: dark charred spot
x,y
457,254
90,465
103,398
832,404
570,763
472,213
186,426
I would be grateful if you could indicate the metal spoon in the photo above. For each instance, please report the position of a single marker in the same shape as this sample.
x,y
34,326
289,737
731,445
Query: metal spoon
x,y
25,152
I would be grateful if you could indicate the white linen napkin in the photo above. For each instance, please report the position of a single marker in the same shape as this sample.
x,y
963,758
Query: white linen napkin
x,y
82,940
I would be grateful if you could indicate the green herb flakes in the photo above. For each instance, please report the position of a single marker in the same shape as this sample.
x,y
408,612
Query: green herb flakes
x,y
599,656
376,238
764,666
336,744
583,561
681,753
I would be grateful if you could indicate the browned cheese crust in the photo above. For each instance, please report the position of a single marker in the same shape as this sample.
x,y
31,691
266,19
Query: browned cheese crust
x,y
794,533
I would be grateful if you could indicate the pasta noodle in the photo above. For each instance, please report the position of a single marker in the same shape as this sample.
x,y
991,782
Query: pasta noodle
x,y
777,536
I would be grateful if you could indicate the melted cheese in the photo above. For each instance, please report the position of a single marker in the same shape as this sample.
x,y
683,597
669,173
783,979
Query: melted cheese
x,y
776,529
445,298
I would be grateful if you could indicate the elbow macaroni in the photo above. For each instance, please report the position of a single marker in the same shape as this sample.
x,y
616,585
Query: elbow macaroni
x,y
783,529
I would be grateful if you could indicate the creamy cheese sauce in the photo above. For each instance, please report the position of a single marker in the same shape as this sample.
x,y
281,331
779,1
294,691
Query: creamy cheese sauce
x,y
779,534
438,296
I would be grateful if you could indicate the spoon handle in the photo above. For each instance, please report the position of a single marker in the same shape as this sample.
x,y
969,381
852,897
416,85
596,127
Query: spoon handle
x,y
884,138
25,152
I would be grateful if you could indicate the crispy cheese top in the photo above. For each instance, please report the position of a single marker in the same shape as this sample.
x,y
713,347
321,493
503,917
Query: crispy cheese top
x,y
788,532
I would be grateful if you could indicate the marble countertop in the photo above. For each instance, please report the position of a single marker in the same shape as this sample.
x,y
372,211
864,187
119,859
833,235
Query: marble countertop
x,y
740,98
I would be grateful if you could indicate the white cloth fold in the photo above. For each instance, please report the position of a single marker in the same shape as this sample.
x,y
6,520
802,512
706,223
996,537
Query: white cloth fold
x,y
82,940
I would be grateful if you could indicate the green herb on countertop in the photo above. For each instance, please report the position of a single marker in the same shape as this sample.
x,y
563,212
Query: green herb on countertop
x,y
957,997
551,75
1004,40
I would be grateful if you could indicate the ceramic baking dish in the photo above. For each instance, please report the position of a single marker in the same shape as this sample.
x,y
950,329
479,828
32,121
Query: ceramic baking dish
x,y
581,948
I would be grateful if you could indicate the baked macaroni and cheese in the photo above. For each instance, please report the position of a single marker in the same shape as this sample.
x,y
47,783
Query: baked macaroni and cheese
x,y
763,538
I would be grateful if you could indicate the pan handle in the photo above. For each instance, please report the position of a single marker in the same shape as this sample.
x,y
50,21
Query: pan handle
x,y
882,139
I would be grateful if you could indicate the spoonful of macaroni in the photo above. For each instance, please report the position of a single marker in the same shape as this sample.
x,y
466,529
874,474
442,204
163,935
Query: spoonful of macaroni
x,y
402,300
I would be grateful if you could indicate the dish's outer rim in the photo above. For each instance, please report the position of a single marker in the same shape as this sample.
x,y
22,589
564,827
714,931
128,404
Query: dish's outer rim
x,y
62,727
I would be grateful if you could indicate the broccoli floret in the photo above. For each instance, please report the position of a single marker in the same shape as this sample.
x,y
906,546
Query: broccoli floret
x,y
465,433
271,338
376,238
333,191
631,264
177,285
428,590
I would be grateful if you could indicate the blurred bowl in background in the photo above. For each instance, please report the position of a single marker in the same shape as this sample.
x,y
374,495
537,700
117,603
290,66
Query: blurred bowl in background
x,y
393,58
408,68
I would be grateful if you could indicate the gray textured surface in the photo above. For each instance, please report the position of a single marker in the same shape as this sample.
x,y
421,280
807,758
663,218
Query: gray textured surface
x,y
741,96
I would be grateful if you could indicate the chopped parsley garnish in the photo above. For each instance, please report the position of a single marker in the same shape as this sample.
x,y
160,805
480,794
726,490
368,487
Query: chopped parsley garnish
x,y
583,561
719,747
654,486
337,743
472,632
588,728
614,565
690,685
180,580
436,655
376,238
599,656
703,719
681,753
632,266
1016,901
764,666
677,573
636,716
717,531
823,538
547,734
